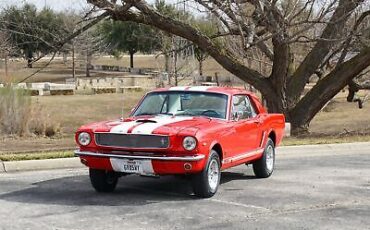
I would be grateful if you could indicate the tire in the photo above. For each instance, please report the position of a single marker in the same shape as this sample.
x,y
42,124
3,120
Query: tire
x,y
264,167
102,180
205,184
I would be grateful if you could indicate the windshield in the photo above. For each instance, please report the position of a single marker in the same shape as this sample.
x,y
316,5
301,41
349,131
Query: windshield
x,y
184,104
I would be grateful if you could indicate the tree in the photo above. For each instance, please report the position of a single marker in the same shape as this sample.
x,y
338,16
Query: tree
x,y
32,31
165,38
278,29
128,37
85,44
174,48
209,28
362,81
6,49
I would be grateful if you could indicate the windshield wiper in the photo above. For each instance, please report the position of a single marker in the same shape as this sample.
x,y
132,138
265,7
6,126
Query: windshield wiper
x,y
185,114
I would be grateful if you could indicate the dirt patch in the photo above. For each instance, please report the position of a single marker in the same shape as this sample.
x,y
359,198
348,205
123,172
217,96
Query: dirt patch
x,y
330,106
342,118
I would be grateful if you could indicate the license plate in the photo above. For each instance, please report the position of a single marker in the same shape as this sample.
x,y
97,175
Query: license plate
x,y
143,167
131,166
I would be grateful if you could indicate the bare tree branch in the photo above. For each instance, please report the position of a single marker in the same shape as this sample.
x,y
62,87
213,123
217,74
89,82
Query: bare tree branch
x,y
321,49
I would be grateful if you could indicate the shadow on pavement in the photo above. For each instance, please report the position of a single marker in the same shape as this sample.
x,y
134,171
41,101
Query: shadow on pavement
x,y
233,176
131,190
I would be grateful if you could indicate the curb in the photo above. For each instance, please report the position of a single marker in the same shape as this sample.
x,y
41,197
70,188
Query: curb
x,y
61,163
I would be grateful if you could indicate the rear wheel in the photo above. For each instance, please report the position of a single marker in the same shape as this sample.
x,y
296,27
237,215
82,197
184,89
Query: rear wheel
x,y
264,167
102,180
205,184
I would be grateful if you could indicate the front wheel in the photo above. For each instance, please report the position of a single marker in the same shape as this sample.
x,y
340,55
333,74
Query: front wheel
x,y
264,167
205,184
102,180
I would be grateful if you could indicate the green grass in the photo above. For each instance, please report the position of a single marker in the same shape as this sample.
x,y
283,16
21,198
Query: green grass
x,y
36,156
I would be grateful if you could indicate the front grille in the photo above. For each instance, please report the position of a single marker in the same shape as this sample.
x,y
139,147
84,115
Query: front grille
x,y
131,140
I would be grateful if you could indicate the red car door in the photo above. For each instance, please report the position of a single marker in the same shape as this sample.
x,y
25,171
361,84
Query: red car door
x,y
247,125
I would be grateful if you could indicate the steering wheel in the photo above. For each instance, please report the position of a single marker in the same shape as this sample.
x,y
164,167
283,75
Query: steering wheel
x,y
211,113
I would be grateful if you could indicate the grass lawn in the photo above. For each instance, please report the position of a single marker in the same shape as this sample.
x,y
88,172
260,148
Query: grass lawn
x,y
36,156
339,122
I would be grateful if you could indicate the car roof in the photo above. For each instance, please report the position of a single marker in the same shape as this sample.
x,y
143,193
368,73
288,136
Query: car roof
x,y
211,89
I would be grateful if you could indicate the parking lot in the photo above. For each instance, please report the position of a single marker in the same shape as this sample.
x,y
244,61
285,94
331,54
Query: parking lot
x,y
313,187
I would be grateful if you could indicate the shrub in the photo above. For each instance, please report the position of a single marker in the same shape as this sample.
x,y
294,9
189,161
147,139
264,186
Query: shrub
x,y
20,117
15,108
41,123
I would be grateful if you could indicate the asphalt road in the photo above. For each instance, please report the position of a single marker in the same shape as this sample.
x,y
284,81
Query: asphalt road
x,y
326,187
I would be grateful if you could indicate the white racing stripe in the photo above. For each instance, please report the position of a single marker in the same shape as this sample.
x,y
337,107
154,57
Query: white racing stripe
x,y
123,128
148,128
190,88
180,88
199,88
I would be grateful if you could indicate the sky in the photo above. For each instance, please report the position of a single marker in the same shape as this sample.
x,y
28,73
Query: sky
x,y
58,5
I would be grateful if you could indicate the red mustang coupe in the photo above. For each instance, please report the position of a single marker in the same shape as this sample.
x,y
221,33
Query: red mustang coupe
x,y
197,131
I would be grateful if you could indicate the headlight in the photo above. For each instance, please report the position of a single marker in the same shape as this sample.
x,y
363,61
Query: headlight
x,y
189,143
84,138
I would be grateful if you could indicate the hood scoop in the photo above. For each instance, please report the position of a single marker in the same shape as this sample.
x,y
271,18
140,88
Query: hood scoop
x,y
145,121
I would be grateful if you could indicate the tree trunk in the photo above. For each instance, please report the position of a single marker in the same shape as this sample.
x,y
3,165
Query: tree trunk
x,y
170,72
167,63
6,59
29,59
88,63
175,68
73,62
325,89
64,58
197,79
131,59
352,90
201,68
315,57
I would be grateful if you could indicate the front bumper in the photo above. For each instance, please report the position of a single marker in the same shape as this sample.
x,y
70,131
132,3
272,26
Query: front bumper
x,y
156,165
137,157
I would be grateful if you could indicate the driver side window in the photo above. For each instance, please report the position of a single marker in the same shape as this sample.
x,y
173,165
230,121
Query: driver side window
x,y
242,108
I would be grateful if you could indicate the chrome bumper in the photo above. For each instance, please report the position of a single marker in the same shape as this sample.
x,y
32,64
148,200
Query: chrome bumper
x,y
161,158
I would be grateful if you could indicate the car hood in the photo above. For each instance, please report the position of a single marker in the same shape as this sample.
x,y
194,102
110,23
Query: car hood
x,y
154,125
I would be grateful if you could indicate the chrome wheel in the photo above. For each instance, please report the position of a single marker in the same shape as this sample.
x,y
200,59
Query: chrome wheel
x,y
205,183
213,175
264,167
270,158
